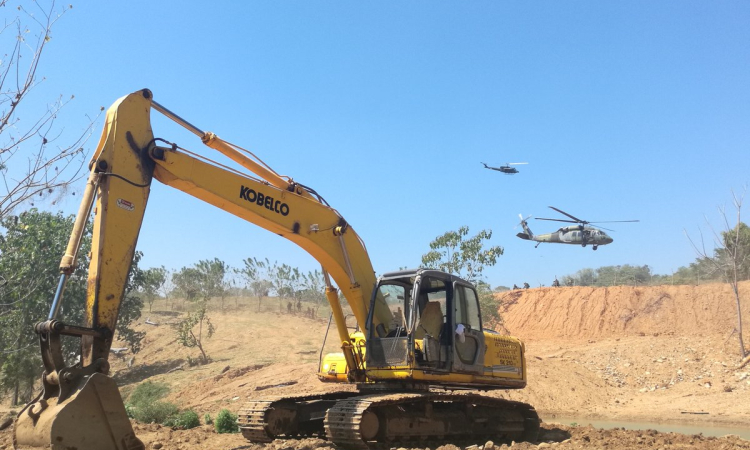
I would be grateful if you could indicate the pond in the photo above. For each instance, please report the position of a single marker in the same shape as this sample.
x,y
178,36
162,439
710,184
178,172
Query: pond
x,y
706,429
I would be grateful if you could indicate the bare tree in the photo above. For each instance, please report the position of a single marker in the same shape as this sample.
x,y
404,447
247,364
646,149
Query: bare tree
x,y
33,163
731,255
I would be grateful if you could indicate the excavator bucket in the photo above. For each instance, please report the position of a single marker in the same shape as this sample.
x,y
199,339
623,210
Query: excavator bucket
x,y
92,417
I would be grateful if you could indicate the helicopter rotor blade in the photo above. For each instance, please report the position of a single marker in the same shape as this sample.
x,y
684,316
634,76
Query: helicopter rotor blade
x,y
515,164
577,220
614,221
557,220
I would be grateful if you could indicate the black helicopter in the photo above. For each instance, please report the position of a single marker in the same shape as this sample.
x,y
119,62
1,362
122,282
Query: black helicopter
x,y
581,234
506,169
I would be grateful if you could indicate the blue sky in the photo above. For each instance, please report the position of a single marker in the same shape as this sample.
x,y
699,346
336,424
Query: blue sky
x,y
624,110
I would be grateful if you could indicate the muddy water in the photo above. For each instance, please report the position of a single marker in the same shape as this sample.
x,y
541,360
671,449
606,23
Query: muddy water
x,y
689,429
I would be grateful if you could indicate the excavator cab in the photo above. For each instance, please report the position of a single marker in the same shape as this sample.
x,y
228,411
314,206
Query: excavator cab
x,y
436,340
437,328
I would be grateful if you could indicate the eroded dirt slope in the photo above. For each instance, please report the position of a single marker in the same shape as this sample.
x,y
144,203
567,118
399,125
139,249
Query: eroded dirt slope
x,y
587,312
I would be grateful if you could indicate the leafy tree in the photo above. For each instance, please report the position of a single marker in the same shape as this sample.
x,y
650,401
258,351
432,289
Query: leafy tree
x,y
153,280
186,283
700,270
489,306
204,281
610,276
130,309
30,251
313,288
584,277
453,252
256,274
166,288
734,253
188,336
34,162
286,281
212,280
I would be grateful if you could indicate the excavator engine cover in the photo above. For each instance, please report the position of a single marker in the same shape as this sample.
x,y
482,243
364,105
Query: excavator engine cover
x,y
93,417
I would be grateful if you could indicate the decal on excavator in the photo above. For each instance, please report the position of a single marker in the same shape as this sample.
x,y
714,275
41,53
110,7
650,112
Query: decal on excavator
x,y
505,353
263,200
124,204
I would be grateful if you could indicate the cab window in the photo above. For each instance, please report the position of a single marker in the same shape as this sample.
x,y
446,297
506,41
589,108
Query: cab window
x,y
467,308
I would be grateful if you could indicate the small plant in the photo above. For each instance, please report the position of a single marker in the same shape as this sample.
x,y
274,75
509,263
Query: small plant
x,y
207,419
226,422
187,334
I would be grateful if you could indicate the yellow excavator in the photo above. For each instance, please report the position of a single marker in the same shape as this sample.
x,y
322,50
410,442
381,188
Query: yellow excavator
x,y
418,357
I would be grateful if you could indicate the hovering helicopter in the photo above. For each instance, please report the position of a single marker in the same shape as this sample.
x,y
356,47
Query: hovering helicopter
x,y
581,234
506,169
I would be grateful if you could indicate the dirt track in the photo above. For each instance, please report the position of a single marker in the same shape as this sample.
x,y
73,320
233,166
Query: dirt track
x,y
649,354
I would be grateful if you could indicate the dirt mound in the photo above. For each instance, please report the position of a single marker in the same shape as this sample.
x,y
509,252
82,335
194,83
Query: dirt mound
x,y
587,312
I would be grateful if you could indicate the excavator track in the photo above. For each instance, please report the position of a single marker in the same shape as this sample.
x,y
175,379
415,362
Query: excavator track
x,y
265,419
374,421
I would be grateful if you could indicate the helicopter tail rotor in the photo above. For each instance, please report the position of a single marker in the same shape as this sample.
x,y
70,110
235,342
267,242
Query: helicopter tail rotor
x,y
527,234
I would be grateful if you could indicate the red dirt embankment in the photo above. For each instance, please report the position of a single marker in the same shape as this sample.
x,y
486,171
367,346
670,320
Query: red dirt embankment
x,y
589,312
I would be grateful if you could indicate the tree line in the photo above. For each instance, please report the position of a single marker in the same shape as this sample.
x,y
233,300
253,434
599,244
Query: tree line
x,y
215,279
734,246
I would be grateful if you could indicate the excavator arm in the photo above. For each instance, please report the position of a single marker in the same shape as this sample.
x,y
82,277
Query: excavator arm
x,y
80,406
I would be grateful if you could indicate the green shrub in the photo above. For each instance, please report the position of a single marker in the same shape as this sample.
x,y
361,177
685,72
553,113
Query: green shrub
x,y
148,392
156,412
184,420
208,420
144,405
226,422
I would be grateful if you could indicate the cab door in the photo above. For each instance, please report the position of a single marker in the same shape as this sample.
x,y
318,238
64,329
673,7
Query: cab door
x,y
468,338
